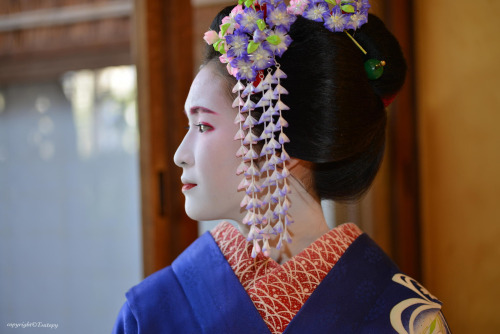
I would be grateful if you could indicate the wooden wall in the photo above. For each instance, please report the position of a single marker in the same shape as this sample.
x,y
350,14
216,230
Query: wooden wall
x,y
458,81
41,39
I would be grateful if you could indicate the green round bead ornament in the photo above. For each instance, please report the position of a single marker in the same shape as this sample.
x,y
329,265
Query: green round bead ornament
x,y
374,68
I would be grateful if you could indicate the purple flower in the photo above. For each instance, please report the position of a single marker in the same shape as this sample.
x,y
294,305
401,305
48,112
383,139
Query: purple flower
x,y
248,19
362,5
237,43
259,36
245,68
356,21
262,57
316,12
284,39
337,21
271,2
279,16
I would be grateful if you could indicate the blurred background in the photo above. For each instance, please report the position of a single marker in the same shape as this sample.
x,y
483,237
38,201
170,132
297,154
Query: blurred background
x,y
69,165
91,99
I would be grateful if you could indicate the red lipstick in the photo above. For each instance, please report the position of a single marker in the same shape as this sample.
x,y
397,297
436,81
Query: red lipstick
x,y
188,186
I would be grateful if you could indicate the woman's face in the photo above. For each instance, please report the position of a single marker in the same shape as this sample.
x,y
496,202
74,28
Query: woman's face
x,y
207,153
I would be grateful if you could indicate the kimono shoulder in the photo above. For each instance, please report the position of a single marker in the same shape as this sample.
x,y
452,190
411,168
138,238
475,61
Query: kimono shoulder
x,y
156,305
199,293
366,293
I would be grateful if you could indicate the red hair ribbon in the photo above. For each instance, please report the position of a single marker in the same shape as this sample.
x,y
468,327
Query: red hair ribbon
x,y
387,100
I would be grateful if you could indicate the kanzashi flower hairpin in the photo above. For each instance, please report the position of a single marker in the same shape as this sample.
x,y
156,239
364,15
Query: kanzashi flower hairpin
x,y
251,40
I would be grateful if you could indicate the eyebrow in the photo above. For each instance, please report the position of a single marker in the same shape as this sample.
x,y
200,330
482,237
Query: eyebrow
x,y
196,110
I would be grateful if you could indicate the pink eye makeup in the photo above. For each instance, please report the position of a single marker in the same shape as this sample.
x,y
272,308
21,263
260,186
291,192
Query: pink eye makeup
x,y
204,127
200,110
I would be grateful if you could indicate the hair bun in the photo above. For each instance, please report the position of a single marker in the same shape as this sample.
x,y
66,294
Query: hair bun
x,y
380,44
337,119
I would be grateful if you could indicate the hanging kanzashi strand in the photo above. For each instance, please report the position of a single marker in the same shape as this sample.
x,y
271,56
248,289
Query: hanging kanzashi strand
x,y
251,40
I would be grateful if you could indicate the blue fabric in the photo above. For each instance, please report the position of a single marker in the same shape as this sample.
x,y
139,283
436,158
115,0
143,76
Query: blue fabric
x,y
220,302
349,293
200,293
356,296
157,305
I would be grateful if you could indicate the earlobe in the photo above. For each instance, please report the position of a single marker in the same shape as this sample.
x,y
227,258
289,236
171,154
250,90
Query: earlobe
x,y
292,163
302,171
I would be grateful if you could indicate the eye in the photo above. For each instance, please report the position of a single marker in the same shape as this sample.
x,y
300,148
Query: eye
x,y
203,127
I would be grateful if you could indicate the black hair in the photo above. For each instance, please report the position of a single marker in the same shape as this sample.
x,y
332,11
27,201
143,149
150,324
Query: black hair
x,y
336,119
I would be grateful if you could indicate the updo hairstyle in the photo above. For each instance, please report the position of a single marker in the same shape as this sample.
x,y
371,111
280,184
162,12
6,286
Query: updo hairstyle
x,y
337,120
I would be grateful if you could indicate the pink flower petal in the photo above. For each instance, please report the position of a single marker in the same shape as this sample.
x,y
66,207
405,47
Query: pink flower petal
x,y
211,37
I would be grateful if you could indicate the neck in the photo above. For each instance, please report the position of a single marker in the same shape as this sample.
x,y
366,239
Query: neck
x,y
309,223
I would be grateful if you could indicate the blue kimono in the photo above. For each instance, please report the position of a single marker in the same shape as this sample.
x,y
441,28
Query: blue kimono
x,y
199,293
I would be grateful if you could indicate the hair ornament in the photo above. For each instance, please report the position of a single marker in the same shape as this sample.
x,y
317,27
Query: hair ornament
x,y
251,40
374,68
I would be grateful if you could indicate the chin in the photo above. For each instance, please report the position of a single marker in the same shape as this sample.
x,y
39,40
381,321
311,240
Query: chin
x,y
192,214
197,212
204,212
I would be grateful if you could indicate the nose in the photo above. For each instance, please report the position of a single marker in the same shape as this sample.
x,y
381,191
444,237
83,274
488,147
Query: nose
x,y
183,157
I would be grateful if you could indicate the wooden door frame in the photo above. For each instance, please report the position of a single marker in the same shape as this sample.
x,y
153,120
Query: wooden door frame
x,y
163,53
403,149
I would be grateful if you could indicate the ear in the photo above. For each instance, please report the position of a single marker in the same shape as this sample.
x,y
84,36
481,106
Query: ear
x,y
301,169
293,163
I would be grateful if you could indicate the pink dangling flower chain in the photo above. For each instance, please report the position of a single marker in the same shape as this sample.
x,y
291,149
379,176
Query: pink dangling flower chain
x,y
250,40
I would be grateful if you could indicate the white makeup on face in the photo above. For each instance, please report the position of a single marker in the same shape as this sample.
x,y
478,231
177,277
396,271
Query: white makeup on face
x,y
207,153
